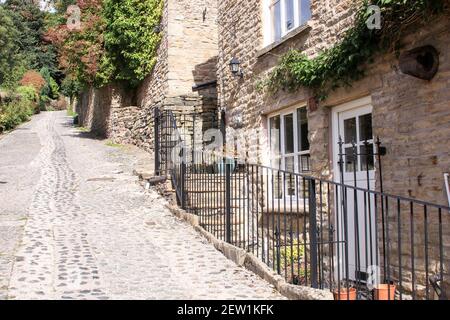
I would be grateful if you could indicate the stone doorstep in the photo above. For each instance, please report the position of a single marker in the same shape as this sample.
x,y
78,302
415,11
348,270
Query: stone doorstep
x,y
247,260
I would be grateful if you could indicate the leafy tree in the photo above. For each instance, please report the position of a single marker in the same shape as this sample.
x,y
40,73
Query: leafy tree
x,y
130,38
70,87
61,5
80,50
50,89
33,79
9,48
117,41
27,93
31,23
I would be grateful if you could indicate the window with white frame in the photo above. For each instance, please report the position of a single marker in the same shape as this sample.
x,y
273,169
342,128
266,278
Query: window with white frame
x,y
286,15
289,146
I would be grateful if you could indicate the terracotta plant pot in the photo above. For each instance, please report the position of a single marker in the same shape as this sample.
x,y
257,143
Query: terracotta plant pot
x,y
384,292
345,294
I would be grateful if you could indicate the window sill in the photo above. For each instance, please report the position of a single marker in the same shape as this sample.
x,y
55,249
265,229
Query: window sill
x,y
297,31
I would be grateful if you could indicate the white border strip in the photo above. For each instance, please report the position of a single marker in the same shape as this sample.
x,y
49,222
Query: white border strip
x,y
447,185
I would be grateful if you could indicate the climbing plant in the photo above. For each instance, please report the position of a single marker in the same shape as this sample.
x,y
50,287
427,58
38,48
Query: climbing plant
x,y
131,38
344,63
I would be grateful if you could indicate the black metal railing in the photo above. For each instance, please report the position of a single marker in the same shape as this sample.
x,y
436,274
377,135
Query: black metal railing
x,y
339,236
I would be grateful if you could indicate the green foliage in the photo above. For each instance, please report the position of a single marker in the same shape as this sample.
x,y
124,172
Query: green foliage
x,y
71,113
130,39
9,48
27,93
14,113
61,5
70,87
294,254
51,88
112,144
31,23
344,63
117,41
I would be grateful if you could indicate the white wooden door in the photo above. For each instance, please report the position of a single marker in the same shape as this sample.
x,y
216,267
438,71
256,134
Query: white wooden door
x,y
353,126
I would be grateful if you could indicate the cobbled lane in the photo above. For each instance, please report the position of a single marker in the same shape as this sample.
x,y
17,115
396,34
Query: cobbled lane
x,y
77,225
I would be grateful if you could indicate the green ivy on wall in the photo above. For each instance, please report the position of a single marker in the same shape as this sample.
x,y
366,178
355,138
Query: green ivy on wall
x,y
131,40
343,63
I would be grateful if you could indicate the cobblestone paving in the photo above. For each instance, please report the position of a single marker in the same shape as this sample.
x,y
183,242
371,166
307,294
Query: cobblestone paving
x,y
92,233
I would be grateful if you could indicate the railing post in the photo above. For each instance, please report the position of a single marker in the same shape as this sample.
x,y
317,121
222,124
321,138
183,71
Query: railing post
x,y
183,184
157,144
313,233
228,201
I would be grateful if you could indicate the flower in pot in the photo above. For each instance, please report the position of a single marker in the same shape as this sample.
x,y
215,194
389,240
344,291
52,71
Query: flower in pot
x,y
346,292
384,291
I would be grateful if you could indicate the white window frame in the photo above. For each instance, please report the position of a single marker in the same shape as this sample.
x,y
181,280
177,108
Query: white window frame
x,y
297,153
269,32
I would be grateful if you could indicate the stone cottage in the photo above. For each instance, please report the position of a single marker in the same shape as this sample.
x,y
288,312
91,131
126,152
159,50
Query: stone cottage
x,y
411,117
183,79
292,132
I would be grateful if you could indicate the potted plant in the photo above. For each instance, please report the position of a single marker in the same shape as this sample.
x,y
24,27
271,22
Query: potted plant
x,y
385,291
346,292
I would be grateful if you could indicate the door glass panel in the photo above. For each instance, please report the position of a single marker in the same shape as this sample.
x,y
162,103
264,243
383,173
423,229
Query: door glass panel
x,y
365,127
289,14
351,162
302,129
276,20
350,130
275,136
367,157
289,134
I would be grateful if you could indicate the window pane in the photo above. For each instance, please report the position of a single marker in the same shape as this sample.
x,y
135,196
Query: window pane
x,y
367,158
365,127
305,11
350,159
275,135
289,134
304,163
289,14
290,179
290,164
276,20
350,130
302,129
277,184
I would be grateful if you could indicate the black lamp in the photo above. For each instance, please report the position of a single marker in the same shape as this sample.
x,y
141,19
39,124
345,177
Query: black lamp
x,y
235,67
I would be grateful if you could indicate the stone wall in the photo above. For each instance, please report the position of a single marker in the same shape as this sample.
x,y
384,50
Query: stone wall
x,y
100,110
240,96
411,116
186,57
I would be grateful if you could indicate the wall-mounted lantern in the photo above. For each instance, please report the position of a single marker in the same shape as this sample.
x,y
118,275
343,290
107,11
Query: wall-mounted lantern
x,y
235,67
